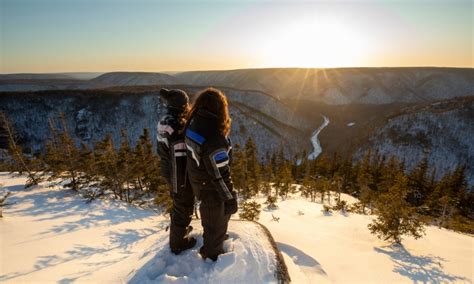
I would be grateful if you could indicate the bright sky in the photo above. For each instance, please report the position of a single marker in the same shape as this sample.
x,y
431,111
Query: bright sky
x,y
147,35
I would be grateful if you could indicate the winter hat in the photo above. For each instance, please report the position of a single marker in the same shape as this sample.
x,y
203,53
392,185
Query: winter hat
x,y
175,98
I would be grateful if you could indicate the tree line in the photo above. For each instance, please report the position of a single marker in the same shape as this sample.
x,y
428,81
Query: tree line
x,y
402,200
125,172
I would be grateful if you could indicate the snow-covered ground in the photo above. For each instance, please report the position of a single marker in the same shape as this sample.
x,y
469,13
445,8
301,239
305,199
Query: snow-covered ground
x,y
51,235
317,149
338,248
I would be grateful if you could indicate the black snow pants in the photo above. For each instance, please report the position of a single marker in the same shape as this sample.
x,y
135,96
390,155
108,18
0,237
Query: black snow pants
x,y
181,214
214,222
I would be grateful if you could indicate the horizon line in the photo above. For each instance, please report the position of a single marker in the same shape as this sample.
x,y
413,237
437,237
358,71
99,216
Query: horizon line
x,y
236,69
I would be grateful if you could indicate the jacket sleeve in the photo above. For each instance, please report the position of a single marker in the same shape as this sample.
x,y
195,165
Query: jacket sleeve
x,y
164,133
216,161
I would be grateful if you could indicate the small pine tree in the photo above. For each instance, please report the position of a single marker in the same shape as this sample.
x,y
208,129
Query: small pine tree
x,y
267,188
20,162
341,205
395,215
309,183
250,211
125,166
267,169
163,198
106,157
63,157
323,186
327,210
271,202
419,184
284,180
251,170
89,178
239,170
147,164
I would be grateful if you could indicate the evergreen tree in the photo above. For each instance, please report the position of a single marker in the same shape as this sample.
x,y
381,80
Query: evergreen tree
x,y
337,186
89,177
254,177
107,164
419,184
147,164
455,188
365,183
267,169
125,166
284,180
395,215
62,156
250,211
239,170
19,161
271,202
308,184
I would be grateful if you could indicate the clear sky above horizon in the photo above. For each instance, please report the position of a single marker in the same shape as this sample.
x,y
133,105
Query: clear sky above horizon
x,y
147,35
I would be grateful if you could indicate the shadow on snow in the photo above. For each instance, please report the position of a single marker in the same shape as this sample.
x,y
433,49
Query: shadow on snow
x,y
300,258
425,269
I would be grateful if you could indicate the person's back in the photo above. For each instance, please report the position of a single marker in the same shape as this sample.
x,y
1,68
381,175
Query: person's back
x,y
209,151
208,168
171,149
172,152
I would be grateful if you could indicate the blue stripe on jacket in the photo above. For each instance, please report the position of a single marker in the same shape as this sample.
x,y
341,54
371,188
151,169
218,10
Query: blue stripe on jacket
x,y
196,137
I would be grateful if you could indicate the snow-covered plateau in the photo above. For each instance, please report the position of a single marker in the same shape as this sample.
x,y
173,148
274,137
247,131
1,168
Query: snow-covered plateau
x,y
52,235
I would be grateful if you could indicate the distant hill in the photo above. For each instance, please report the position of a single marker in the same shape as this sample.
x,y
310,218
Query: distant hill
x,y
134,79
345,85
441,131
35,76
338,86
83,75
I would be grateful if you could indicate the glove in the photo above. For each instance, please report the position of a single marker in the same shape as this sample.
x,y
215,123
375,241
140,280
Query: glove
x,y
230,206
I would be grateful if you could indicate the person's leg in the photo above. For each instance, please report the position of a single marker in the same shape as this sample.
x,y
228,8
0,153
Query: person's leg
x,y
181,214
214,223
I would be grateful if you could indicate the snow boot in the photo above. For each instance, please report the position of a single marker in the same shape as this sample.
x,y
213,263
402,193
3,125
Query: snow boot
x,y
205,256
180,240
188,243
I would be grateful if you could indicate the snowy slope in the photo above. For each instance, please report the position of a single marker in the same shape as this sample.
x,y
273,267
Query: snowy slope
x,y
440,131
250,260
339,248
51,235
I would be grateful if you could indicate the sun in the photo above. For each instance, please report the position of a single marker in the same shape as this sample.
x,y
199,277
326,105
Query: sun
x,y
312,43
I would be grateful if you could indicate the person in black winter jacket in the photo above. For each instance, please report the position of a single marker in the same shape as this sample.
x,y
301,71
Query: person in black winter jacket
x,y
209,154
172,151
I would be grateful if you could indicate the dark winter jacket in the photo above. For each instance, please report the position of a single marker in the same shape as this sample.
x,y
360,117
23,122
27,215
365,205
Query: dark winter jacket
x,y
209,155
172,150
